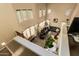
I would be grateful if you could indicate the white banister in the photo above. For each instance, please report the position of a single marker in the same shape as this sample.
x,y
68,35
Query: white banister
x,y
63,41
33,47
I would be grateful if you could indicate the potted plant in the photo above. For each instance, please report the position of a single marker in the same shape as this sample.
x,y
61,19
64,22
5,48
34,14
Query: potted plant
x,y
49,42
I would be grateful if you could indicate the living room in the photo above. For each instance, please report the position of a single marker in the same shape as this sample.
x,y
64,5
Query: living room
x,y
18,18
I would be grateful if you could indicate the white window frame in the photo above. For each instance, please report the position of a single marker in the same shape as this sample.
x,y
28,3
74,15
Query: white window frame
x,y
24,14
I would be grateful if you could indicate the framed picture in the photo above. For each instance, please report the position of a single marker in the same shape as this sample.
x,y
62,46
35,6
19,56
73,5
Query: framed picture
x,y
55,20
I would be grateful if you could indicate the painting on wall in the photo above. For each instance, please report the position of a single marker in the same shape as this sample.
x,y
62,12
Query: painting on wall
x,y
55,20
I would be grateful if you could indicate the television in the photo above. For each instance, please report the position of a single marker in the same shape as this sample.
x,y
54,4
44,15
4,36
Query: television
x,y
74,28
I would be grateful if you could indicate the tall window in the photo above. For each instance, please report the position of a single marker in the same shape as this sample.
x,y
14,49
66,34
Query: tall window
x,y
42,12
24,14
49,11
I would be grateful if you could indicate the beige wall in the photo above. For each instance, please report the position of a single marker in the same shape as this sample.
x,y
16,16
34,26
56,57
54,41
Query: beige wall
x,y
58,10
77,11
8,23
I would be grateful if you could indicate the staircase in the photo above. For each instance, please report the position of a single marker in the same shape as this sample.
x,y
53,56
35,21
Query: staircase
x,y
5,52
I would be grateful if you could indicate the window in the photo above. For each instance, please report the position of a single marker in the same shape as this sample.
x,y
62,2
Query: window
x,y
24,14
49,11
42,12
